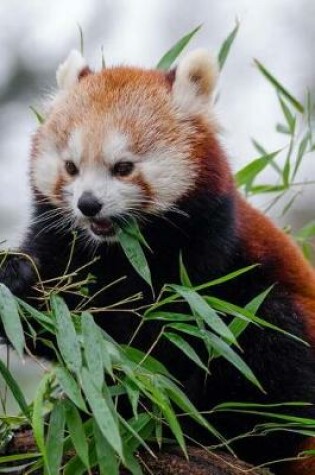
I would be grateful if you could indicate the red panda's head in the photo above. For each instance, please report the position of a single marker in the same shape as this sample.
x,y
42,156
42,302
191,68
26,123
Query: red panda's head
x,y
127,141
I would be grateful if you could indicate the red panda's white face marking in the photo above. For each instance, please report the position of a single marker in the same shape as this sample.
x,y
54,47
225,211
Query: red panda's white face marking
x,y
122,140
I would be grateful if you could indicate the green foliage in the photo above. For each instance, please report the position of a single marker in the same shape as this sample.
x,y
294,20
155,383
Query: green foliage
x,y
11,321
131,240
168,59
74,411
227,45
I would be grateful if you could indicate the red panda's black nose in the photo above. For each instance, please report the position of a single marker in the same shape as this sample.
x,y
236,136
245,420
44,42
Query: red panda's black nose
x,y
89,205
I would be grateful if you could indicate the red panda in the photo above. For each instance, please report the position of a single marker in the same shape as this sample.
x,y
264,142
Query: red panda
x,y
143,143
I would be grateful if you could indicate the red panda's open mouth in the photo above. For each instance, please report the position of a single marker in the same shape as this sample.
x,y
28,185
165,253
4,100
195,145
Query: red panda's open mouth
x,y
102,227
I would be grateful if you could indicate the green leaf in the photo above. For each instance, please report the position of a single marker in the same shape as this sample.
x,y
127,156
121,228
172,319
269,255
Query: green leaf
x,y
307,231
133,395
15,389
132,463
290,118
106,457
182,401
169,317
225,278
224,350
147,361
259,189
92,342
287,166
103,414
281,89
55,438
70,387
38,115
81,38
238,325
247,174
302,150
244,405
259,147
168,59
77,434
67,340
186,349
226,46
188,329
75,465
183,274
209,316
40,317
38,419
135,254
9,313
103,58
18,457
235,310
283,129
221,348
164,404
132,228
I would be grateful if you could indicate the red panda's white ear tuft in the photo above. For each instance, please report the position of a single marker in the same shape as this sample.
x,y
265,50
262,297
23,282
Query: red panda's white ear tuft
x,y
71,70
195,80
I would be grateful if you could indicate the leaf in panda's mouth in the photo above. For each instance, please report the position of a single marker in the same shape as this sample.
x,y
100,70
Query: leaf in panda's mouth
x,y
131,240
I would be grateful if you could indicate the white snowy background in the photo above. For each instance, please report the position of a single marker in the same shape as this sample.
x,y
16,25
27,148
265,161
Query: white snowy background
x,y
35,35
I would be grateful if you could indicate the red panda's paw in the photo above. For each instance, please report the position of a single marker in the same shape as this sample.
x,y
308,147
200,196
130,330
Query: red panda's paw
x,y
18,274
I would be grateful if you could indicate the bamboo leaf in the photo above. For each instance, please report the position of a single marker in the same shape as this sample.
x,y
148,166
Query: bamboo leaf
x,y
135,254
186,349
67,340
290,118
106,457
40,317
38,419
235,310
55,438
77,434
226,46
238,325
247,174
183,274
147,361
166,409
39,117
182,401
133,395
307,231
222,280
15,389
281,89
93,348
169,317
168,58
18,457
200,306
103,414
224,350
9,313
302,150
70,387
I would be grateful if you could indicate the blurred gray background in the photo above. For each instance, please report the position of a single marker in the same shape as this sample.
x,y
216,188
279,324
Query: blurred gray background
x,y
36,35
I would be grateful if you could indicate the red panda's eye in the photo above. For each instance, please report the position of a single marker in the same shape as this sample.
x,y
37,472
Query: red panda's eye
x,y
123,169
71,168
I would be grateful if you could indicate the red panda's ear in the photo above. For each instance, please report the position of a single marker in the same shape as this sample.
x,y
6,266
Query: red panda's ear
x,y
194,82
72,70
